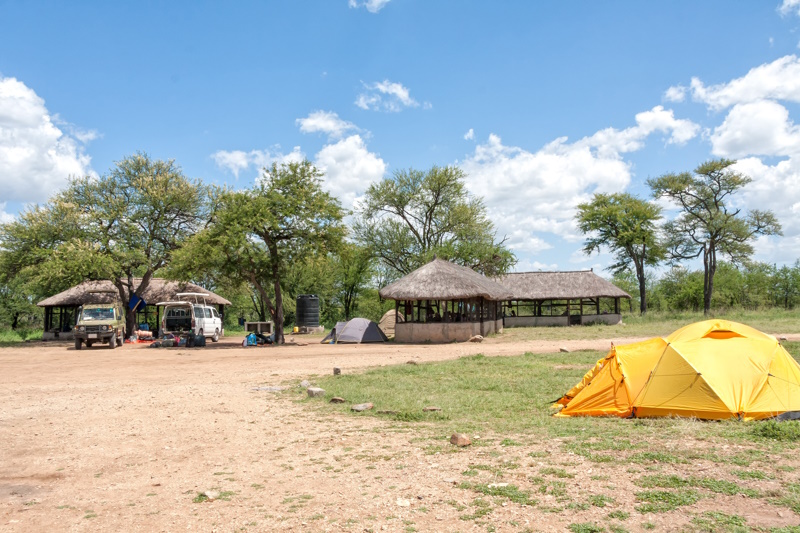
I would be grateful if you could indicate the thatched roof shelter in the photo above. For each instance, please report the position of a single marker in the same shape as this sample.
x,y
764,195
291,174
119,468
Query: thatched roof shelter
x,y
443,280
559,286
157,291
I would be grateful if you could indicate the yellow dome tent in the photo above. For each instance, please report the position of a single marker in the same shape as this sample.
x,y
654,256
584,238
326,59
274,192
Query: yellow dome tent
x,y
715,369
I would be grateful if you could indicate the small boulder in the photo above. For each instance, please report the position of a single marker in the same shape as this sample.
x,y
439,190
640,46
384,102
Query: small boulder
x,y
337,399
476,338
783,339
315,392
431,408
460,439
563,350
362,407
305,384
402,502
337,371
211,495
411,362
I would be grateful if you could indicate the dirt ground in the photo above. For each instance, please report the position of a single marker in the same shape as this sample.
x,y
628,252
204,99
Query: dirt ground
x,y
125,440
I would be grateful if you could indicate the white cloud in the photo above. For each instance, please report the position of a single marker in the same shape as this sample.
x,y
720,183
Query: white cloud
x,y
36,156
5,217
787,7
373,6
470,135
779,80
526,265
533,192
326,122
386,96
675,94
757,128
349,168
236,161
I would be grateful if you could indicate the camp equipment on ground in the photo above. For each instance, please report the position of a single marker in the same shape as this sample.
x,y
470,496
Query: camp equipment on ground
x,y
715,369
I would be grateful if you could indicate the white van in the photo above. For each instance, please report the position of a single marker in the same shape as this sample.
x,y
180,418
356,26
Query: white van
x,y
182,317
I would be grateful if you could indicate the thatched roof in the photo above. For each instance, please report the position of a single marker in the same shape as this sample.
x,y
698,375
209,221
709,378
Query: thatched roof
x,y
159,290
443,280
559,286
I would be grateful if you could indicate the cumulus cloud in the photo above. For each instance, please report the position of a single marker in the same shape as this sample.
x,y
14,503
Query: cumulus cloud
x,y
5,217
779,80
236,161
386,96
36,156
758,128
373,6
326,122
349,168
527,192
470,135
787,7
675,94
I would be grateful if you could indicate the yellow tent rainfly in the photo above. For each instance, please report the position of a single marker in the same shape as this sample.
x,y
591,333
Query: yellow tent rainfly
x,y
714,370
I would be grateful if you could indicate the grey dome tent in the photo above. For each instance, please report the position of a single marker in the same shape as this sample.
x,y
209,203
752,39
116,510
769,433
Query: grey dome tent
x,y
356,330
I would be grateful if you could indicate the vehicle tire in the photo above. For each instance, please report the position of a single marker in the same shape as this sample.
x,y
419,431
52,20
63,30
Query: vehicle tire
x,y
215,338
112,342
78,344
89,344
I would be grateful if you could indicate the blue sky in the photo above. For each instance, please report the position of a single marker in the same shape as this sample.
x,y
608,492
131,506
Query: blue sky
x,y
541,103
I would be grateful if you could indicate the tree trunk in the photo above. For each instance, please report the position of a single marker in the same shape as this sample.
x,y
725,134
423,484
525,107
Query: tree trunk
x,y
710,267
276,283
15,321
642,292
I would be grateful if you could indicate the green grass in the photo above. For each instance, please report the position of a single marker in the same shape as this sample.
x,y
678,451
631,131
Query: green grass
x,y
773,321
713,521
10,337
662,501
718,486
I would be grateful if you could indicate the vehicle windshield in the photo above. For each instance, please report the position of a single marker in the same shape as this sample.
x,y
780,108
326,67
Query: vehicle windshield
x,y
98,313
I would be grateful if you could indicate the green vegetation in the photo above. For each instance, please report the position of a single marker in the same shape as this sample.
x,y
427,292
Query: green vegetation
x,y
713,521
661,501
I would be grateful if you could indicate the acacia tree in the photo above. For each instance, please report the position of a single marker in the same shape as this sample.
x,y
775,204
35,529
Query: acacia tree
x,y
407,219
257,234
708,225
626,226
123,226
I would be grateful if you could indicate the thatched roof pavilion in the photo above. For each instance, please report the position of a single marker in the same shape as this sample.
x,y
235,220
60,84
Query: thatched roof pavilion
x,y
560,285
445,302
60,309
158,290
443,280
561,299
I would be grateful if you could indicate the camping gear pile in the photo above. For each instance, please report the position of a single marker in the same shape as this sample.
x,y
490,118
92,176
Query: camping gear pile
x,y
712,370
175,341
355,330
257,339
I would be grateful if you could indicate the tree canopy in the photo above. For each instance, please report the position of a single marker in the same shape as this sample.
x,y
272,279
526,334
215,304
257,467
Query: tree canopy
x,y
626,226
709,224
256,235
407,219
120,226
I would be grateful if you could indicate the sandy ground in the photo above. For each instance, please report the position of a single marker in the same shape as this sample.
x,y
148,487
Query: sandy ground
x,y
125,440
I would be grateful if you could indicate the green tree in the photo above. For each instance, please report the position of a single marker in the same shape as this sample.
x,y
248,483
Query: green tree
x,y
708,225
256,235
786,285
626,226
353,270
123,226
407,219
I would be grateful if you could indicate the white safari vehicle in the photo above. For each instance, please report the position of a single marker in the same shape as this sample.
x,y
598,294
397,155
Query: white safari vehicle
x,y
191,313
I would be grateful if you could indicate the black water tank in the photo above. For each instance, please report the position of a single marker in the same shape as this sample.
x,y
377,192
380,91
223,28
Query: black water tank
x,y
307,310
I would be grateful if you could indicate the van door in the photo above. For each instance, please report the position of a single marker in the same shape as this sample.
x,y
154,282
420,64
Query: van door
x,y
199,320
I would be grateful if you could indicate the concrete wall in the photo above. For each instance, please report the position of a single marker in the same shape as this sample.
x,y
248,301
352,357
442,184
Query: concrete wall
x,y
611,319
412,332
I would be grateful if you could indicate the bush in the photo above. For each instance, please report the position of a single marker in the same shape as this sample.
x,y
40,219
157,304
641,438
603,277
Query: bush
x,y
772,429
